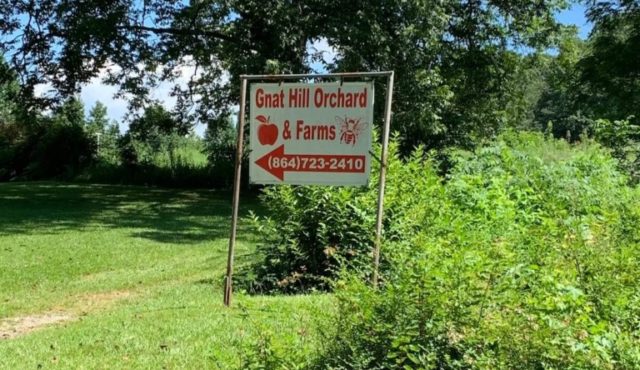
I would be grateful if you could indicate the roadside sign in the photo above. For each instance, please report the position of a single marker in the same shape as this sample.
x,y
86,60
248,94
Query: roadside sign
x,y
311,133
306,134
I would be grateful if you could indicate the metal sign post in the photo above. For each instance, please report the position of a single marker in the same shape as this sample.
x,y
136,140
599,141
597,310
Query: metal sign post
x,y
236,195
317,147
383,179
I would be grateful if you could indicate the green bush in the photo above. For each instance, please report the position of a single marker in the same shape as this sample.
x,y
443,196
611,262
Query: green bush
x,y
46,149
308,230
527,257
183,175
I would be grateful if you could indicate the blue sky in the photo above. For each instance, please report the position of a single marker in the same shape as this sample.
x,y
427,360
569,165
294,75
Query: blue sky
x,y
116,108
576,16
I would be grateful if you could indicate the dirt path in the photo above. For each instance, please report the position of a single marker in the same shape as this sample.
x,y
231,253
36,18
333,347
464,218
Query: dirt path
x,y
84,304
16,326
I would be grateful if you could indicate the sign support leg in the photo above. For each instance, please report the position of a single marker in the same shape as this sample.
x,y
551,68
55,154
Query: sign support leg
x,y
381,184
228,289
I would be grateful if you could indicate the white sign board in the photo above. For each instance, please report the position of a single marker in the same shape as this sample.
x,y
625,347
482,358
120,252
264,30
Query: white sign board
x,y
311,133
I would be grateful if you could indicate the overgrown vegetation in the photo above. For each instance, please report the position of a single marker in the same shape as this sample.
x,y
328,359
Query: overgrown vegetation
x,y
526,257
307,232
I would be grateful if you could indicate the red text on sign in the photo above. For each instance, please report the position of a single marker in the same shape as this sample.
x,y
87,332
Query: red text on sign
x,y
314,132
277,163
269,100
340,99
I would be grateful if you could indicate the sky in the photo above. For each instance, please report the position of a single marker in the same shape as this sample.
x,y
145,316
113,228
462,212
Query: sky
x,y
576,16
117,108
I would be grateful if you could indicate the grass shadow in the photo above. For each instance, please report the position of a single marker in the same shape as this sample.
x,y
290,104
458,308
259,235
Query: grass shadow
x,y
161,215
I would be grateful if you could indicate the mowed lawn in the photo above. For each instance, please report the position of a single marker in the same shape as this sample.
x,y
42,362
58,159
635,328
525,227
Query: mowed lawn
x,y
96,276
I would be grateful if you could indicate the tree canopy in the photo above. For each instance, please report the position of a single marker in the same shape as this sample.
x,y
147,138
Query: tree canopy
x,y
451,57
611,69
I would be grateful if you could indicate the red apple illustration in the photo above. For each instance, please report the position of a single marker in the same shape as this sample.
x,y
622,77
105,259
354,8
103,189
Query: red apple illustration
x,y
267,131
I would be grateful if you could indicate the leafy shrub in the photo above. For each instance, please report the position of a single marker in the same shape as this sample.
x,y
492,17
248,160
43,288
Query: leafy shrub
x,y
526,258
183,175
43,148
308,230
221,159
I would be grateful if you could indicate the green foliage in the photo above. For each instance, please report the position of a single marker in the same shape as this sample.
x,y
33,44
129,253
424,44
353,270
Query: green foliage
x,y
157,150
462,75
527,257
623,139
610,69
596,78
9,91
558,101
263,353
71,112
170,151
155,123
452,60
169,161
98,118
107,143
48,147
220,149
33,146
106,134
15,125
308,231
61,150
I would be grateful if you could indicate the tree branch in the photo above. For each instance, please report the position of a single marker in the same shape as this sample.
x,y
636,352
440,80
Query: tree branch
x,y
178,31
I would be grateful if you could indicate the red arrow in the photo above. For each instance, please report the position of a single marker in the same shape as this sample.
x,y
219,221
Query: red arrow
x,y
277,162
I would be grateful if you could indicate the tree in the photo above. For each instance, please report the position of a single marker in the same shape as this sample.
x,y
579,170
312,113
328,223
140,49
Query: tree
x,y
610,72
559,103
453,60
108,145
157,131
19,125
8,92
156,122
105,133
594,79
98,118
10,132
220,143
71,112
451,57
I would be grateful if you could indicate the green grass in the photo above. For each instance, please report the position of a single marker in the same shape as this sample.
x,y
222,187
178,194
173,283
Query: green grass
x,y
140,271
